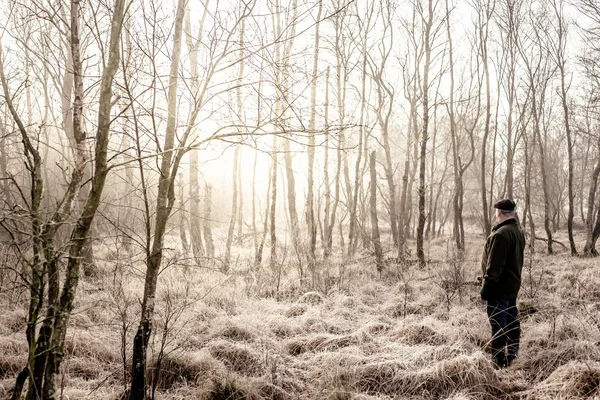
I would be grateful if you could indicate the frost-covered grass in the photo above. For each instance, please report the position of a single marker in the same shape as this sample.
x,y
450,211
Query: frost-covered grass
x,y
262,333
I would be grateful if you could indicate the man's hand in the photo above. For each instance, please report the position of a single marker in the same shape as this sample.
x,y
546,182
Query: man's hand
x,y
485,292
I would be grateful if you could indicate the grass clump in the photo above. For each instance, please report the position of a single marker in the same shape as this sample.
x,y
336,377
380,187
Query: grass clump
x,y
313,298
230,388
237,334
237,357
83,344
11,365
420,334
295,311
465,374
574,380
297,346
544,361
176,369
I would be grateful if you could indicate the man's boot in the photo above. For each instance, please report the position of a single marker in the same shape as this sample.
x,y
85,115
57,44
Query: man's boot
x,y
512,344
498,351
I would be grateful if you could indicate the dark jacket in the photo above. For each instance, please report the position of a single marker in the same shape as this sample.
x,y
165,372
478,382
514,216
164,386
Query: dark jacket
x,y
502,261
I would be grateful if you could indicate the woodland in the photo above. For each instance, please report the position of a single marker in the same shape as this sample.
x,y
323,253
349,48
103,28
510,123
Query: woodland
x,y
288,199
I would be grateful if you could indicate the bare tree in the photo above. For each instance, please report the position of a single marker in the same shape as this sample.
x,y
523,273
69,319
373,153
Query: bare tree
x,y
310,212
46,351
558,48
538,72
165,200
194,189
384,105
590,62
429,35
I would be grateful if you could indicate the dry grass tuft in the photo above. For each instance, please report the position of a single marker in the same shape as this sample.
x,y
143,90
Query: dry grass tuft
x,y
300,345
463,374
11,364
461,396
238,334
375,378
176,369
420,334
527,307
543,362
230,388
237,357
82,368
222,302
574,380
374,328
273,392
14,320
282,330
471,374
84,344
295,311
321,343
312,298
11,345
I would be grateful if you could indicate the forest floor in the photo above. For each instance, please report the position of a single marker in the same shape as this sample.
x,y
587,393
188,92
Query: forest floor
x,y
410,334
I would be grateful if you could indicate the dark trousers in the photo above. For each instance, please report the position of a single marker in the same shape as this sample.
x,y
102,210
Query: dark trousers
x,y
506,330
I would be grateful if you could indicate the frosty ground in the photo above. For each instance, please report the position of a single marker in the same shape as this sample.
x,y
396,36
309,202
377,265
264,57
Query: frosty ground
x,y
349,333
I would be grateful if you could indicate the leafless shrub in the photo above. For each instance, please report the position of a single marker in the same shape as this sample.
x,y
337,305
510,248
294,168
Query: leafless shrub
x,y
404,274
451,276
533,275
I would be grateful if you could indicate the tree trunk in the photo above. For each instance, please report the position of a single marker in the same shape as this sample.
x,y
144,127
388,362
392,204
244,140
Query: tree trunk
x,y
234,209
291,197
210,247
424,138
561,61
487,226
194,192
259,250
81,230
374,224
327,231
365,27
272,211
589,248
182,218
164,204
310,213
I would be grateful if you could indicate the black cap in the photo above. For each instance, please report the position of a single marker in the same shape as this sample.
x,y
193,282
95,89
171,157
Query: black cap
x,y
505,204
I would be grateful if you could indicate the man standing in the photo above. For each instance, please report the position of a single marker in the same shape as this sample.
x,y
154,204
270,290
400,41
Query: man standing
x,y
502,264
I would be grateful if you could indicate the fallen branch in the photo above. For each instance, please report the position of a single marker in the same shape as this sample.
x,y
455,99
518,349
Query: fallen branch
x,y
553,241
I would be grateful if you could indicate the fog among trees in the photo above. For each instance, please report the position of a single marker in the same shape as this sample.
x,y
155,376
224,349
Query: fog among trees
x,y
234,138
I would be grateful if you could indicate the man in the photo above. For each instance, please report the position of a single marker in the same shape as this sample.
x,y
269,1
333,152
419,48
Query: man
x,y
502,264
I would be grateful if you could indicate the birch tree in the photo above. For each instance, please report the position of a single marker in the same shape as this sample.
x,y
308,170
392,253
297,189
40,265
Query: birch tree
x,y
46,350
